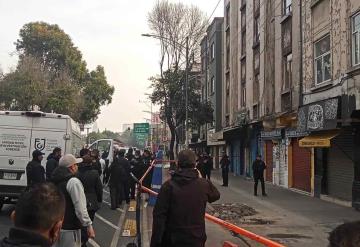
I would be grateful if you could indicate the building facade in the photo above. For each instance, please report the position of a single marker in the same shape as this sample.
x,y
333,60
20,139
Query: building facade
x,y
211,88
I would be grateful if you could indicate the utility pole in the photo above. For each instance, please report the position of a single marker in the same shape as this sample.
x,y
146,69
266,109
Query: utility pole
x,y
186,94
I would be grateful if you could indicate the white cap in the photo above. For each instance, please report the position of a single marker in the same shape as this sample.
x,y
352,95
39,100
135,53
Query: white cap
x,y
69,160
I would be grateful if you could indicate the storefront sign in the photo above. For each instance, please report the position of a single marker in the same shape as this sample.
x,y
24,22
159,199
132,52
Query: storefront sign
x,y
314,143
289,133
274,134
321,115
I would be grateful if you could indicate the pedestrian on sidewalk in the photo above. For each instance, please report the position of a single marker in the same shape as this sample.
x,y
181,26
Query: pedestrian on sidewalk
x,y
179,213
76,214
126,178
225,164
37,217
52,162
208,165
95,155
258,170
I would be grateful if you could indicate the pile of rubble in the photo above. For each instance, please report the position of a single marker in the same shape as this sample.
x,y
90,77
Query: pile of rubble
x,y
232,212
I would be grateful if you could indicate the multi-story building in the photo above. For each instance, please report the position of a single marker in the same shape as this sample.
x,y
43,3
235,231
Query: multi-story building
x,y
211,87
331,103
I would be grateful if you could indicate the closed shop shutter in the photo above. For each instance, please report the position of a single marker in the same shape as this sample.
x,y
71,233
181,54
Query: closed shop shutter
x,y
269,160
301,165
340,174
235,157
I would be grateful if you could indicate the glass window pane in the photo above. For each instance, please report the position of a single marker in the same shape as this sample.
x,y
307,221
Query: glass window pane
x,y
322,46
327,67
356,23
318,70
356,52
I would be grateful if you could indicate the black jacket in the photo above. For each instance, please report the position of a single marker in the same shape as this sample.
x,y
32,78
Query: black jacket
x,y
92,186
225,163
97,166
35,172
178,216
51,164
117,171
24,238
258,167
137,167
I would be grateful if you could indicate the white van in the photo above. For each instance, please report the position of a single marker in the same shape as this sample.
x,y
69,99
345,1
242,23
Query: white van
x,y
106,148
21,132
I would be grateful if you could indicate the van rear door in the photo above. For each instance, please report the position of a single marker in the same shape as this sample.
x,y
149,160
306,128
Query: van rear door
x,y
15,136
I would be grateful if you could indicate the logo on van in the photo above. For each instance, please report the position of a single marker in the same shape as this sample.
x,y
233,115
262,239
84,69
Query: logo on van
x,y
39,144
11,162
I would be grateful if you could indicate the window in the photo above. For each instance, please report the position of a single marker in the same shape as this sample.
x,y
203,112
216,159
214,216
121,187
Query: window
x,y
256,61
243,95
243,43
243,71
227,20
256,89
322,61
212,51
243,19
287,69
228,58
356,39
212,85
287,7
256,29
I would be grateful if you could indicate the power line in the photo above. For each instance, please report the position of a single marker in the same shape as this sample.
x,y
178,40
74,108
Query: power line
x,y
217,5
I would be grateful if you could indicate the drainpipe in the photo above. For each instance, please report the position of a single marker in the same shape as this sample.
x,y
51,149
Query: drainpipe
x,y
301,102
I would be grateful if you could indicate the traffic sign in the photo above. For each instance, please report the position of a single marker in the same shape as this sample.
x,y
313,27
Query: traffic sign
x,y
141,128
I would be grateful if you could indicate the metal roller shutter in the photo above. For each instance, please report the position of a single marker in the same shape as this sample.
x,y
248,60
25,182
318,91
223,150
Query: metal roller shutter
x,y
269,160
301,166
340,166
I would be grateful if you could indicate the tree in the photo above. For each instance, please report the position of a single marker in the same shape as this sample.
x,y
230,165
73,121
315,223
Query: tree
x,y
52,75
54,49
174,24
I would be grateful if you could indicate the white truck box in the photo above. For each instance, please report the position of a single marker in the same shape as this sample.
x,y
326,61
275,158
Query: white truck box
x,y
23,132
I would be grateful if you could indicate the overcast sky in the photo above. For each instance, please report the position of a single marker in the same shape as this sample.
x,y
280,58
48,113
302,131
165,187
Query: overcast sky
x,y
108,33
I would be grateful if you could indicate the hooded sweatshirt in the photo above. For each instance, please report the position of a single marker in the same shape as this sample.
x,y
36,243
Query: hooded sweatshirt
x,y
76,214
51,164
178,216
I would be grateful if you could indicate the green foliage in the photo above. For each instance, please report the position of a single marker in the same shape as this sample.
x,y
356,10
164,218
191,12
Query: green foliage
x,y
106,134
169,92
53,47
52,75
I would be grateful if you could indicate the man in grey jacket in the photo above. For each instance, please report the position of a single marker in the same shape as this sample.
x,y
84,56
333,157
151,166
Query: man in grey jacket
x,y
76,215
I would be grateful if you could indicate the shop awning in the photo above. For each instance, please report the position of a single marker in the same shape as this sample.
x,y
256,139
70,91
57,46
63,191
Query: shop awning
x,y
318,140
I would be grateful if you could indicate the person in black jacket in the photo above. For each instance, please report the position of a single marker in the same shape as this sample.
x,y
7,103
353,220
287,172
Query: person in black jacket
x,y
178,216
95,155
258,170
35,172
116,174
208,165
126,178
93,191
225,163
52,162
137,166
37,217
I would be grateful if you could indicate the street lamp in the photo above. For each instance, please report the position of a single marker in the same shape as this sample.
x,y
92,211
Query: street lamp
x,y
186,79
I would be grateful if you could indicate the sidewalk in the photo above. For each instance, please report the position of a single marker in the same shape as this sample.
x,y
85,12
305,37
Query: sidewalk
x,y
295,219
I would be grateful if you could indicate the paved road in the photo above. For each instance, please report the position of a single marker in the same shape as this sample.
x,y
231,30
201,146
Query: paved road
x,y
107,224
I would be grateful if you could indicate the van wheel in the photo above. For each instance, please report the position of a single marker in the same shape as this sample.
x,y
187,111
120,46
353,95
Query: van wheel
x,y
2,199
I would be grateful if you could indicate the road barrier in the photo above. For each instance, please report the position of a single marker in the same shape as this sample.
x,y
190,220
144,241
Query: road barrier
x,y
223,223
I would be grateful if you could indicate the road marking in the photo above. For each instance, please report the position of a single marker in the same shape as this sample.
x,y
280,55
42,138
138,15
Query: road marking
x,y
106,221
107,192
118,209
93,243
129,228
116,236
